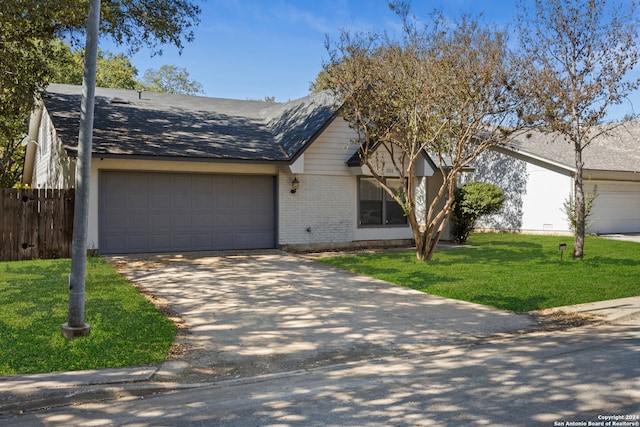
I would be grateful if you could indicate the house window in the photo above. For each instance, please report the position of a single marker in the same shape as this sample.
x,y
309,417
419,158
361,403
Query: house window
x,y
376,207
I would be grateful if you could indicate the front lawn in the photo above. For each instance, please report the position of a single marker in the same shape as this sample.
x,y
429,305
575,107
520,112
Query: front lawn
x,y
126,329
511,271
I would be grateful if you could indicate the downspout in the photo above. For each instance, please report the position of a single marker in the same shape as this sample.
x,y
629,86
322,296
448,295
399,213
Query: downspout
x,y
31,141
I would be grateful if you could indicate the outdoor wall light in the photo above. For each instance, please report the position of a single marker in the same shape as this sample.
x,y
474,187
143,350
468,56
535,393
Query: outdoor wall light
x,y
295,184
562,247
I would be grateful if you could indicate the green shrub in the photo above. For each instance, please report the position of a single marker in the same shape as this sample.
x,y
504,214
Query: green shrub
x,y
569,209
473,200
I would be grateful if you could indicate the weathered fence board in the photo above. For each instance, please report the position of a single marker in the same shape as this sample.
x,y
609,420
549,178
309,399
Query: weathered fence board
x,y
35,224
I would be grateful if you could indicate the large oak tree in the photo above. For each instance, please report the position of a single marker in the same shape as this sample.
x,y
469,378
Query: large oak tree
x,y
28,30
112,70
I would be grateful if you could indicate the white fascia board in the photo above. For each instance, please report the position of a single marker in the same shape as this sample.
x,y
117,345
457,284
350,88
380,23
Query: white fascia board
x,y
298,165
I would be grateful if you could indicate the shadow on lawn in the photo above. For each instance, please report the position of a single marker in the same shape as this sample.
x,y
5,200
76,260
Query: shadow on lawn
x,y
19,270
518,244
622,262
537,253
496,255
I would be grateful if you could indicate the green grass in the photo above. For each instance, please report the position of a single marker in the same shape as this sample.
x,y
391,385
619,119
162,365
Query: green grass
x,y
126,329
511,271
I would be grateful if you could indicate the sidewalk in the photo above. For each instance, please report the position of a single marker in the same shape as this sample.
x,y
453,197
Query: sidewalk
x,y
618,310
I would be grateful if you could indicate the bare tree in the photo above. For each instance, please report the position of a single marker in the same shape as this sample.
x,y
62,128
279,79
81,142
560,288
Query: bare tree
x,y
576,56
442,90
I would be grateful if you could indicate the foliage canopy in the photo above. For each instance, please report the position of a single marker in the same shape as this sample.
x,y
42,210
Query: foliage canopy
x,y
29,30
445,90
170,79
576,56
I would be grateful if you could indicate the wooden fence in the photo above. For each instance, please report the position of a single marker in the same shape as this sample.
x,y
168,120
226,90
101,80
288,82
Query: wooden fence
x,y
35,224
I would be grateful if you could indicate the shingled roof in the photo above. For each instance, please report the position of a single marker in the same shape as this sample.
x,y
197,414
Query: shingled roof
x,y
157,125
617,149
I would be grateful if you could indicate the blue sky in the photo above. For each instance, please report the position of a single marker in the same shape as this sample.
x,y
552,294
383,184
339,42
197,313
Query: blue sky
x,y
249,49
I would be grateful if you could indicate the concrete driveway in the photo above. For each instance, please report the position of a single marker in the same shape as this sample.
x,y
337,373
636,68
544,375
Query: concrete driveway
x,y
630,237
265,312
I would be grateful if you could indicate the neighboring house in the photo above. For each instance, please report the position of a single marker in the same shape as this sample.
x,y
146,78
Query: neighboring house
x,y
183,173
536,170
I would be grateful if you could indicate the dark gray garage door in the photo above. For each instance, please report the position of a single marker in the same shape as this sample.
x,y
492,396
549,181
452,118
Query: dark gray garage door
x,y
161,212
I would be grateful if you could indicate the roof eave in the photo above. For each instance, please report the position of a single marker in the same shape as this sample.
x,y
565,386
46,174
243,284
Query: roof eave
x,y
277,162
524,153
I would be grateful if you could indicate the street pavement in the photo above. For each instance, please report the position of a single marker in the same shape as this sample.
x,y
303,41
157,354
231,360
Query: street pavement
x,y
573,377
276,339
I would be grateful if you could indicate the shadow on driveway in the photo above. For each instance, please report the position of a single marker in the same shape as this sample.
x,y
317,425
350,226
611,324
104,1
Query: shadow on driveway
x,y
265,312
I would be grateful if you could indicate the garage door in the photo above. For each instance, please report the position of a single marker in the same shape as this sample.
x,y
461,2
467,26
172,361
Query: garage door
x,y
616,208
161,212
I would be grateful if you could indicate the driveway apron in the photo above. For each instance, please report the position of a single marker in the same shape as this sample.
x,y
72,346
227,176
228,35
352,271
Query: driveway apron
x,y
264,312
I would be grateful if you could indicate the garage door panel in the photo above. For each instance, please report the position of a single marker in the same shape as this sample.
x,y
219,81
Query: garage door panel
x,y
223,184
243,202
159,221
246,240
202,241
181,242
616,208
181,221
202,202
244,220
156,212
262,221
202,222
223,202
202,184
138,186
223,222
224,240
160,241
137,242
117,201
159,201
182,201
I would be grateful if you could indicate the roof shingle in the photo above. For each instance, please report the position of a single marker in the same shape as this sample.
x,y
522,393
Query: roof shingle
x,y
181,126
617,149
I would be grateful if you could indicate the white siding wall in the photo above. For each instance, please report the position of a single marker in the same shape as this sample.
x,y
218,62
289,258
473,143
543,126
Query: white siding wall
x,y
52,167
542,204
329,153
534,193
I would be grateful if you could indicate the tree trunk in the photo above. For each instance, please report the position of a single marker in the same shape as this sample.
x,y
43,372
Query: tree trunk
x,y
434,240
578,247
420,238
427,239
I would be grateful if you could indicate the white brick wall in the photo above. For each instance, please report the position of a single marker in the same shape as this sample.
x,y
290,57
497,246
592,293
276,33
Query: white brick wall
x,y
325,205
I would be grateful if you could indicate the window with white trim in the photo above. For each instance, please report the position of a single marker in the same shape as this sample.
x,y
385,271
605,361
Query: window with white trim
x,y
375,207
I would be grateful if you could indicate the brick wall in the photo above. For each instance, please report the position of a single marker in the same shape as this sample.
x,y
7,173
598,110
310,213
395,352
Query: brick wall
x,y
323,210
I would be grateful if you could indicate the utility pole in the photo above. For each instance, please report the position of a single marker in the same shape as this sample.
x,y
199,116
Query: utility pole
x,y
76,326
